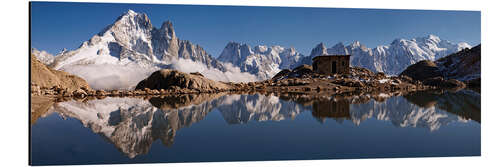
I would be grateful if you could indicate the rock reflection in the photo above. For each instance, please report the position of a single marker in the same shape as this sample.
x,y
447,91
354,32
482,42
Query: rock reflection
x,y
133,124
429,110
335,109
464,103
40,108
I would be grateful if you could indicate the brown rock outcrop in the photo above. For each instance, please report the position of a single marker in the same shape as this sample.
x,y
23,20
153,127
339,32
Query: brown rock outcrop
x,y
45,77
172,79
422,70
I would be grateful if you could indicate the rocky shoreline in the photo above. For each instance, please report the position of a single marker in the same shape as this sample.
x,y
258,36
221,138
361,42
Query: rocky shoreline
x,y
301,80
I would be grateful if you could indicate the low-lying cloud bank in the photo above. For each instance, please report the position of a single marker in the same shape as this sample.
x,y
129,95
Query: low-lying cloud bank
x,y
233,74
111,77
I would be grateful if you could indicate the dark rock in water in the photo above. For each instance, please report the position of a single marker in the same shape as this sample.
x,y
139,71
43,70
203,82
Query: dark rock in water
x,y
422,70
440,82
172,79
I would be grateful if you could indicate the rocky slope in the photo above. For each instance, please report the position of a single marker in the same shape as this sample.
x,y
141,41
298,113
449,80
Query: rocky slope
x,y
390,59
262,61
464,66
43,77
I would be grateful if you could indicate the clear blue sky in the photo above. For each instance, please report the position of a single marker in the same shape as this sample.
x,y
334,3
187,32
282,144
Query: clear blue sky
x,y
55,26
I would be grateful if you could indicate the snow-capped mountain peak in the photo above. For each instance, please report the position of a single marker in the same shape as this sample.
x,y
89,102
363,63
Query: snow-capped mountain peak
x,y
168,29
260,48
355,44
434,38
132,43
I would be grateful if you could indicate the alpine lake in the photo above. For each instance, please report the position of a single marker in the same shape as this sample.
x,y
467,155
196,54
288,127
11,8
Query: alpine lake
x,y
254,127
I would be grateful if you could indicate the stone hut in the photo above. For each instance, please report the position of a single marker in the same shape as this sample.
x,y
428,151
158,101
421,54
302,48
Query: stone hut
x,y
331,64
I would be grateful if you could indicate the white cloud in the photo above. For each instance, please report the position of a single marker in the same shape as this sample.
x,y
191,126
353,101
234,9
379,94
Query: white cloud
x,y
233,74
110,77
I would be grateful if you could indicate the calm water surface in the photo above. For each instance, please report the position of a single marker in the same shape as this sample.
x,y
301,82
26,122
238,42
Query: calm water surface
x,y
221,127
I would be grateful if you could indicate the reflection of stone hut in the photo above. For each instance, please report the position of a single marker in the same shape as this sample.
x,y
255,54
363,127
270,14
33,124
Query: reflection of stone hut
x,y
331,109
331,64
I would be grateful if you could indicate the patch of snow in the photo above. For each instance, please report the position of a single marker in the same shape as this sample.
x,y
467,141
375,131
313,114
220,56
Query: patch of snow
x,y
383,80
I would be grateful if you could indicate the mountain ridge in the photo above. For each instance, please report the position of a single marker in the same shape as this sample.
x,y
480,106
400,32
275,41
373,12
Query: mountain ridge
x,y
131,48
393,58
261,60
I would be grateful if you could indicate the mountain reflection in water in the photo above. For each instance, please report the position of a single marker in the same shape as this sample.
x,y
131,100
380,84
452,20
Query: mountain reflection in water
x,y
133,124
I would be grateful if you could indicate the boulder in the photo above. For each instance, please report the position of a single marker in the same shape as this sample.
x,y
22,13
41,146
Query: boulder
x,y
282,74
35,89
361,72
173,79
303,71
101,93
80,93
